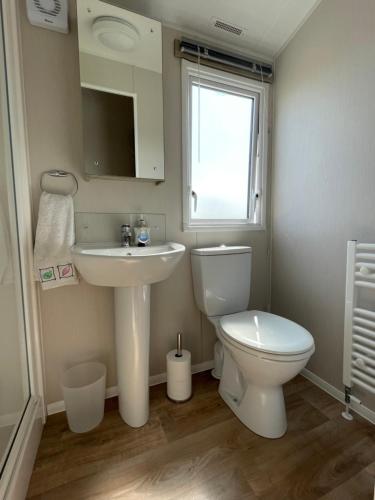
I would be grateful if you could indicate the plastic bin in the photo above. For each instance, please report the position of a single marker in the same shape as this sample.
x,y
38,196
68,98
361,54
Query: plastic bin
x,y
84,392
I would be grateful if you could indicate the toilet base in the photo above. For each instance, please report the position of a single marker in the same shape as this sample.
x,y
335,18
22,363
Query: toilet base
x,y
261,409
218,360
215,375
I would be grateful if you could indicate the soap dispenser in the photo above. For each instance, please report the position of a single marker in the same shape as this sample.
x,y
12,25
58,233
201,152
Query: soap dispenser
x,y
142,233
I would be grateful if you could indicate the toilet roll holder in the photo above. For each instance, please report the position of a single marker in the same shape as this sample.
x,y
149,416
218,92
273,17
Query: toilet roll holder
x,y
179,345
183,393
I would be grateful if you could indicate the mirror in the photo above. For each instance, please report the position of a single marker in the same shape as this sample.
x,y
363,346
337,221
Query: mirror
x,y
120,57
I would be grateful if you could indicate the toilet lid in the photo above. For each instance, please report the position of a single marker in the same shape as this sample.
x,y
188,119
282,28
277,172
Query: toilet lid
x,y
267,332
221,250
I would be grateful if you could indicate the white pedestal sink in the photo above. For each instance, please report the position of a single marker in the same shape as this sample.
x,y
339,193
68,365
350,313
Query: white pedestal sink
x,y
131,271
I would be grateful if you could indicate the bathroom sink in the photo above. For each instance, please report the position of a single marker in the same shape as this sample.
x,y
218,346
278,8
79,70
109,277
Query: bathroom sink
x,y
108,264
130,271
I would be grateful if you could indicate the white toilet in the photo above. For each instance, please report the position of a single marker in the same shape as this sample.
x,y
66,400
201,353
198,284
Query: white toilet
x,y
261,351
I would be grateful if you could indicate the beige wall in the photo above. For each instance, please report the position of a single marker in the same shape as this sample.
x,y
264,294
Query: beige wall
x,y
78,320
324,170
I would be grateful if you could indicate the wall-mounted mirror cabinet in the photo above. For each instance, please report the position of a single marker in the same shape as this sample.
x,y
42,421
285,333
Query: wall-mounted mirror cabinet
x,y
120,55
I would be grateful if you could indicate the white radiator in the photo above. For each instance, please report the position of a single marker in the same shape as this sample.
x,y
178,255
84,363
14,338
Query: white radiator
x,y
359,327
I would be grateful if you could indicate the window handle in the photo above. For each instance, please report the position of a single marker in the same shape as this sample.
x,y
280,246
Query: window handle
x,y
256,200
195,197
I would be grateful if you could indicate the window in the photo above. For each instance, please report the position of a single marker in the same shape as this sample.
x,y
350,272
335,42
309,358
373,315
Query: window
x,y
225,149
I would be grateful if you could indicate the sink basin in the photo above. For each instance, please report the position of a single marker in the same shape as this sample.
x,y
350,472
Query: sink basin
x,y
130,271
108,264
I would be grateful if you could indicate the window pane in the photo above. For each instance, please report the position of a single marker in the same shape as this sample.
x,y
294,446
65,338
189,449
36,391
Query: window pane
x,y
220,156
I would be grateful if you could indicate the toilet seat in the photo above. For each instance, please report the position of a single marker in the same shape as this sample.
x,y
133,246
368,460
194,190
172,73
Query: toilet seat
x,y
266,335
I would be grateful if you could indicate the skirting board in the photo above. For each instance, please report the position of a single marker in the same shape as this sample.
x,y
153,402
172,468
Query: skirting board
x,y
110,392
355,404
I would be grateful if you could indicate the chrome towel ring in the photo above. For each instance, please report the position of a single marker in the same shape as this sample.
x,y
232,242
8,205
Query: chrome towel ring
x,y
59,173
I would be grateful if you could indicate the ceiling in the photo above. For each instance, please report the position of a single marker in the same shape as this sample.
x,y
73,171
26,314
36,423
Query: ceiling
x,y
267,25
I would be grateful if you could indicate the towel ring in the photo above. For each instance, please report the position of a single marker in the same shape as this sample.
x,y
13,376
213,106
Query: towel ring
x,y
59,173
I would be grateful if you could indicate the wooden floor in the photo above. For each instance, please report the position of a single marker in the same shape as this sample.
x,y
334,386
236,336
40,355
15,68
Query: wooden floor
x,y
199,450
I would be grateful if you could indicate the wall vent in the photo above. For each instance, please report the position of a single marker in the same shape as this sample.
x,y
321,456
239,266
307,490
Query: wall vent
x,y
50,8
49,14
230,28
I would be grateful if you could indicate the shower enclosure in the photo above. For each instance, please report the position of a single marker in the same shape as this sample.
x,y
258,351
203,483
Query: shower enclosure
x,y
21,391
14,377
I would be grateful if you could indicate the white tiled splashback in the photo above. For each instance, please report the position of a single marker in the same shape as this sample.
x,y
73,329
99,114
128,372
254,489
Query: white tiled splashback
x,y
92,226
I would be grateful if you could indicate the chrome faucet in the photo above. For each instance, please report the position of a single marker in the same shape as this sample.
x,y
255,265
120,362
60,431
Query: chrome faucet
x,y
126,235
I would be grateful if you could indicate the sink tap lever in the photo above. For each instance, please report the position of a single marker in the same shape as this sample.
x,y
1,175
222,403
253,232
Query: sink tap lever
x,y
126,235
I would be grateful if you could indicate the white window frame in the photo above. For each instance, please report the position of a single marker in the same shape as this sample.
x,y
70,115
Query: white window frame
x,y
191,73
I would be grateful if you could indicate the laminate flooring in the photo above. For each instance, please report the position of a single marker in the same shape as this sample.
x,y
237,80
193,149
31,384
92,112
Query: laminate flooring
x,y
199,450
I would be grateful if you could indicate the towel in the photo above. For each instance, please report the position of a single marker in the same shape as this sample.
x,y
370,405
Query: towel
x,y
54,238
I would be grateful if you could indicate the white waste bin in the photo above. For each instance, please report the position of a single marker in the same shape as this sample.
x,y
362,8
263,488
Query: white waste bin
x,y
84,393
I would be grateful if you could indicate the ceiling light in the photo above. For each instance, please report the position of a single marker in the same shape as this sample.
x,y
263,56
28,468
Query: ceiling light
x,y
115,33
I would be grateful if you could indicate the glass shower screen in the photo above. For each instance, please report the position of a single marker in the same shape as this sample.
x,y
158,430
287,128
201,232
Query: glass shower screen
x,y
14,379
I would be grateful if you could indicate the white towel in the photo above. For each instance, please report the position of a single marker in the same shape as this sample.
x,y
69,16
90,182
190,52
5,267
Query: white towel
x,y
54,238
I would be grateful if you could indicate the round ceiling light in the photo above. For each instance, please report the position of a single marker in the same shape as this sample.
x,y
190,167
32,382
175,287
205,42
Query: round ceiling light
x,y
115,33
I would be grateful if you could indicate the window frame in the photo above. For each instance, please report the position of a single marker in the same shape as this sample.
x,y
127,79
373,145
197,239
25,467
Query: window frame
x,y
191,73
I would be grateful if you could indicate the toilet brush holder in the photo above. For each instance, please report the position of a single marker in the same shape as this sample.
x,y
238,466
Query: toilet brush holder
x,y
179,373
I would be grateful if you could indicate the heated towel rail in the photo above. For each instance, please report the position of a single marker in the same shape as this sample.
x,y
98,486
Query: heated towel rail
x,y
359,326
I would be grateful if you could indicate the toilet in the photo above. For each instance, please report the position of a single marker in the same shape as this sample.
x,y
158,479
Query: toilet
x,y
256,352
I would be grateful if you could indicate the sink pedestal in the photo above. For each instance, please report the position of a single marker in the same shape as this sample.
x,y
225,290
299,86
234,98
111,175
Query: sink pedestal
x,y
130,271
132,327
